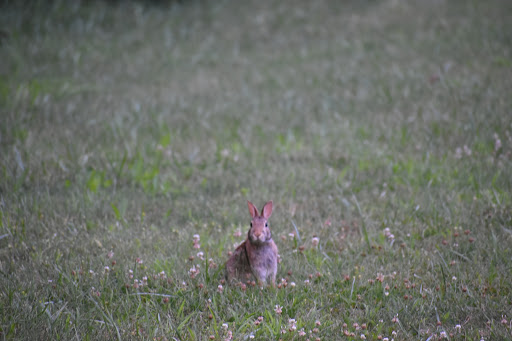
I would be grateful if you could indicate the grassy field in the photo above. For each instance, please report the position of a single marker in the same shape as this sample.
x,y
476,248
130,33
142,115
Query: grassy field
x,y
382,131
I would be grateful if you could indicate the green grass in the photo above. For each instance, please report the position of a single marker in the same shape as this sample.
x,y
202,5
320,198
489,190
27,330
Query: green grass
x,y
132,126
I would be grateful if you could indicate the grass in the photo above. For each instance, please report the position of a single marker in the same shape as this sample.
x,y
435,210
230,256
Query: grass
x,y
380,129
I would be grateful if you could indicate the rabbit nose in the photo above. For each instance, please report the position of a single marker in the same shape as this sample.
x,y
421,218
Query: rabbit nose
x,y
257,234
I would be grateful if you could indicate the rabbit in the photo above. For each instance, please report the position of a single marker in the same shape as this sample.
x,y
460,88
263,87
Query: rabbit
x,y
257,255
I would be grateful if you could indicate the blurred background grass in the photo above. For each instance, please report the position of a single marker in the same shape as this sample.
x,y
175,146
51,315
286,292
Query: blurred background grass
x,y
131,126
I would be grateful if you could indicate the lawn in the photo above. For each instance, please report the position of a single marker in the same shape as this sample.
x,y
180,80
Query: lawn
x,y
132,134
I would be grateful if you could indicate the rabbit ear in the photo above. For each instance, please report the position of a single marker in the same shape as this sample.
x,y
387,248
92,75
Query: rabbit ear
x,y
267,210
252,209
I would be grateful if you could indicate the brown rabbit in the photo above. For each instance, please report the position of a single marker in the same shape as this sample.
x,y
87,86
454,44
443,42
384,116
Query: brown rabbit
x,y
257,255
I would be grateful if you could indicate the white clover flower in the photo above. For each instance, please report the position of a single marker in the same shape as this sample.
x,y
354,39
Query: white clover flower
x,y
458,153
467,151
292,325
497,143
315,241
193,272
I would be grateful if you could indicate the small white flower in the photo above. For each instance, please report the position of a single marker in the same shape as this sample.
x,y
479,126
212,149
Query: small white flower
x,y
443,335
107,269
225,326
454,278
292,284
278,309
196,238
458,153
467,151
193,271
315,241
497,144
292,325
363,337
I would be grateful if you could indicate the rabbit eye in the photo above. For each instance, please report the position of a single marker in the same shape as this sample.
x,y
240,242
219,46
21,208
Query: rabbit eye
x,y
266,224
251,223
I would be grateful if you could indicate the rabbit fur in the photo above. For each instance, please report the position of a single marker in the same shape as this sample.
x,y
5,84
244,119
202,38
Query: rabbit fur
x,y
257,255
